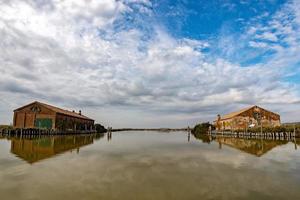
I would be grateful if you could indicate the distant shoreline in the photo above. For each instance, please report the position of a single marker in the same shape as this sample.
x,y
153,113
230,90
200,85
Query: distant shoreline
x,y
150,129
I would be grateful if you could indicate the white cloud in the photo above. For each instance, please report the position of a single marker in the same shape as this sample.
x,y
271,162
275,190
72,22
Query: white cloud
x,y
268,36
69,54
258,44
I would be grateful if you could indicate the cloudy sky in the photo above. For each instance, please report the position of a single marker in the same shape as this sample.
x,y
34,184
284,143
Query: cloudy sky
x,y
150,63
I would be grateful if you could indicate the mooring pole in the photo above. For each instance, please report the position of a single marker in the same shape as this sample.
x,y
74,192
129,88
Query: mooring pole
x,y
188,130
295,142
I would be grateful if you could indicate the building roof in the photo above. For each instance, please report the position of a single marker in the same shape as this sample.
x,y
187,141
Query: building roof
x,y
234,114
57,110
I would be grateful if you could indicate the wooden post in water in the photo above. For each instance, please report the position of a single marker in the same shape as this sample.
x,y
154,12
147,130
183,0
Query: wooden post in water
x,y
295,137
189,133
109,133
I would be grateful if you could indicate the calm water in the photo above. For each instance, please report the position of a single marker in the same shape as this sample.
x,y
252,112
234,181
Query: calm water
x,y
148,165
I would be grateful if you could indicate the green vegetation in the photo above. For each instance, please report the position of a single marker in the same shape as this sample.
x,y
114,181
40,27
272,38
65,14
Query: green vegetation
x,y
204,138
5,127
202,128
100,129
291,124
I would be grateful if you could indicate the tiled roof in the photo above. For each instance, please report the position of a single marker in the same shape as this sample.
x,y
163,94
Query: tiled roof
x,y
58,110
233,114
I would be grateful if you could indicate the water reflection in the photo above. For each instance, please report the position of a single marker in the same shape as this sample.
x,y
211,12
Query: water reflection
x,y
109,135
257,147
39,148
34,149
148,165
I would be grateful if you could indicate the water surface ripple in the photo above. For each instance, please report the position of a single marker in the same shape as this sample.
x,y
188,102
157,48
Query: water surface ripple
x,y
148,165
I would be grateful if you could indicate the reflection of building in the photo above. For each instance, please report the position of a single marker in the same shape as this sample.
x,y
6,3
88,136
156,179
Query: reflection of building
x,y
43,116
33,150
257,147
253,116
252,146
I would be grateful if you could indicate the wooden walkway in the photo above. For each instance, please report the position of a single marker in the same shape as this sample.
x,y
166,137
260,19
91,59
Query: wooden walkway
x,y
268,136
23,132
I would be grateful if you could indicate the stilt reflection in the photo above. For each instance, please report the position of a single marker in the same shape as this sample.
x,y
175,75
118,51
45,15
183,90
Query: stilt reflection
x,y
254,146
34,149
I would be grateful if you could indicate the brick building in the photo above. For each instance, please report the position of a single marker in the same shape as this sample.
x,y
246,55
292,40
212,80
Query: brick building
x,y
39,115
250,117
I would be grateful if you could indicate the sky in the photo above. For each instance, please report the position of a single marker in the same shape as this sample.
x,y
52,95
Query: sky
x,y
151,63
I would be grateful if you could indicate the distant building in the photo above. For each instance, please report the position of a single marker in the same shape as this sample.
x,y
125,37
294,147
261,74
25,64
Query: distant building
x,y
251,117
39,115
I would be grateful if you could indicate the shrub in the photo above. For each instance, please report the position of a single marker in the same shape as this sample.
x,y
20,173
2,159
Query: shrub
x,y
202,128
5,127
100,129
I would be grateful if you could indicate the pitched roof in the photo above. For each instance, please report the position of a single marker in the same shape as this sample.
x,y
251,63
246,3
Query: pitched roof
x,y
233,114
57,110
